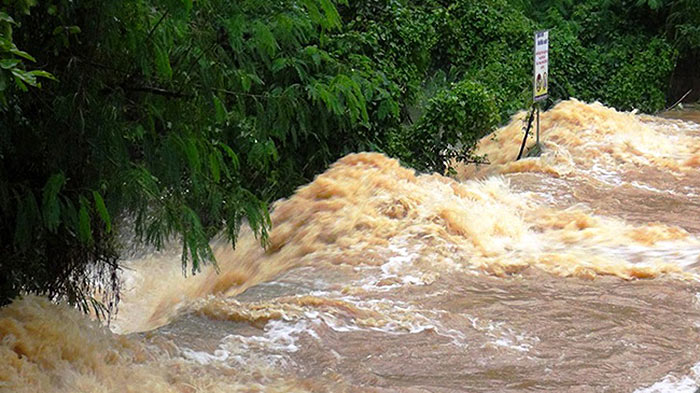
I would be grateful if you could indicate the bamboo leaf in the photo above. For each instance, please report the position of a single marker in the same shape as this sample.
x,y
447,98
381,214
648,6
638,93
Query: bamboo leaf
x,y
162,62
187,4
192,154
24,77
331,13
279,64
220,110
102,210
43,74
264,39
214,167
246,83
84,231
6,64
51,209
4,17
232,156
21,53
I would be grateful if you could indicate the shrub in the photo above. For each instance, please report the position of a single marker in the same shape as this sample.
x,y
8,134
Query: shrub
x,y
454,120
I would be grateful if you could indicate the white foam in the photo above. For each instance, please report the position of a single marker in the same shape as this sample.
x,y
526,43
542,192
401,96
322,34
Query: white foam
x,y
401,318
605,175
503,336
397,267
673,384
280,336
650,188
205,358
681,253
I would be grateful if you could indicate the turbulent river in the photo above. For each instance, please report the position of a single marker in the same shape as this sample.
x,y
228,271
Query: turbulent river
x,y
577,271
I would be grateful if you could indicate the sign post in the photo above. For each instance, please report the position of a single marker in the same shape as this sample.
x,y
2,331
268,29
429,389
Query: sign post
x,y
540,75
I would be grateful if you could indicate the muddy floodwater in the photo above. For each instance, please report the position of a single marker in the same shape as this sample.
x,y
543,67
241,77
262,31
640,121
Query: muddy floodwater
x,y
575,271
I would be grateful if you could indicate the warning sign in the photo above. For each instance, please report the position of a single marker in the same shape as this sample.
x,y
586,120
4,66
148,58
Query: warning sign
x,y
541,81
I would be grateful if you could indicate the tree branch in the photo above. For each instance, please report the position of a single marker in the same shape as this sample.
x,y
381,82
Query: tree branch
x,y
158,91
153,29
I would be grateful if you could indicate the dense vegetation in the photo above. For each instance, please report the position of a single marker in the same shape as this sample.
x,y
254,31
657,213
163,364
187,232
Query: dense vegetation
x,y
183,118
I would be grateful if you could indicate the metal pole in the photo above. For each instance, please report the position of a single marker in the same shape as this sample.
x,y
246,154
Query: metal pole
x,y
538,124
527,132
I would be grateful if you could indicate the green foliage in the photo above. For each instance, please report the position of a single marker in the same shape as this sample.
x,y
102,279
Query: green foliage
x,y
640,79
495,50
12,59
50,207
185,119
601,54
683,24
454,121
179,118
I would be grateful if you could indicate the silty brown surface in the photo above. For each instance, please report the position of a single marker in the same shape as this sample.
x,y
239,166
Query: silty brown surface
x,y
571,272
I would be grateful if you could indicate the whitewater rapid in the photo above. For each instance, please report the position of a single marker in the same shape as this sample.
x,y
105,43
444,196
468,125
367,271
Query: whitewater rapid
x,y
574,271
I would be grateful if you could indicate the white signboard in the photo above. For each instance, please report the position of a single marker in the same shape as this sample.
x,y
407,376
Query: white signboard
x,y
541,80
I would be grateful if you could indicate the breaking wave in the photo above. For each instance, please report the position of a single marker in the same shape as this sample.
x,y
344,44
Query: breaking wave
x,y
373,248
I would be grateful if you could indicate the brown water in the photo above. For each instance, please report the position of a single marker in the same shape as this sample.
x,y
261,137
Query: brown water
x,y
572,272
689,112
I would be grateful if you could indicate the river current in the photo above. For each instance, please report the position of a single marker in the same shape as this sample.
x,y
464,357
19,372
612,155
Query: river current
x,y
575,271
